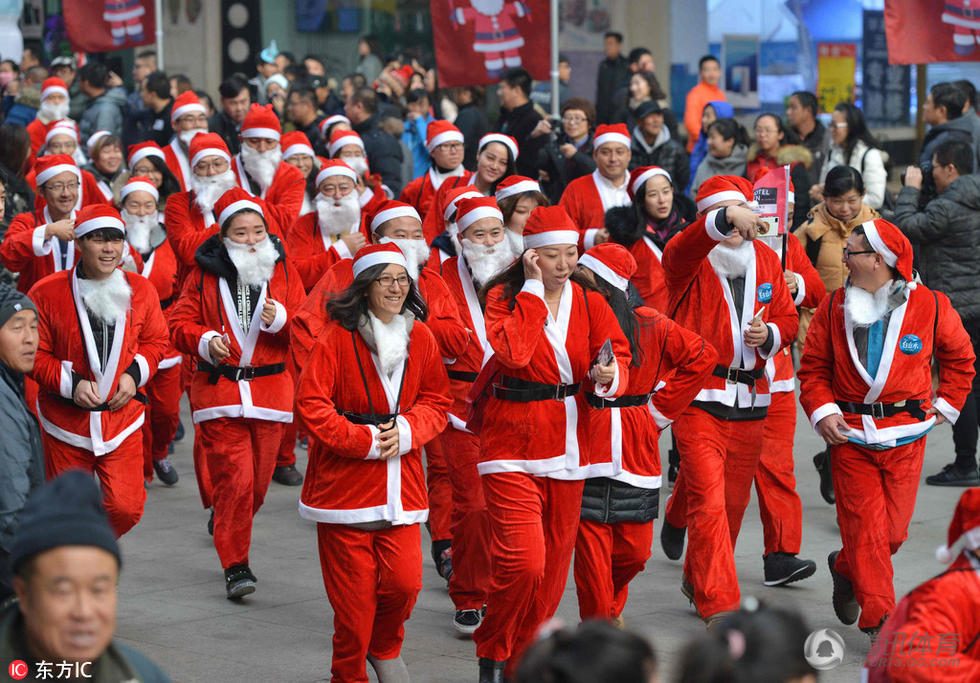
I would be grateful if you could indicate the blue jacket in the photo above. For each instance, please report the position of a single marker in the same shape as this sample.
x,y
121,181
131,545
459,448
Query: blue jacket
x,y
723,110
414,137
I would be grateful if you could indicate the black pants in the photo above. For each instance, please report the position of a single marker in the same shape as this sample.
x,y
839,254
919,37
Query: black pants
x,y
965,429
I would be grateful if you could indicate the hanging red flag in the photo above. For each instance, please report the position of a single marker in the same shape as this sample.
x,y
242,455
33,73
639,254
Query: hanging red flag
x,y
926,31
477,40
104,25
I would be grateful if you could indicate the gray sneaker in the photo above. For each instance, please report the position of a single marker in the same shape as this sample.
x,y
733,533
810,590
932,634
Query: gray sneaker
x,y
165,471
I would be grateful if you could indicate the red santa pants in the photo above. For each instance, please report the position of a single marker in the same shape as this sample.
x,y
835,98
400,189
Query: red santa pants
x,y
287,446
533,521
120,475
470,523
200,462
779,504
440,492
607,557
162,414
240,454
372,580
675,511
876,492
718,463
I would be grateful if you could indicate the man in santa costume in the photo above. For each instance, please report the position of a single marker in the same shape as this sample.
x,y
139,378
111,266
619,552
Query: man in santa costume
x,y
348,146
588,198
54,107
62,138
732,292
939,620
444,142
260,170
866,385
102,335
444,244
188,118
334,231
146,236
232,315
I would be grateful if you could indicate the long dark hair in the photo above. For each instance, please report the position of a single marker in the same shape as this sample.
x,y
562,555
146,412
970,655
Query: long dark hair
x,y
842,179
623,310
15,147
348,307
513,280
511,165
169,185
857,129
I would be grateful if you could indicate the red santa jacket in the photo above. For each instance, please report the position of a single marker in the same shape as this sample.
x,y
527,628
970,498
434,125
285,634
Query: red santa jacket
x,y
315,251
345,482
923,326
89,191
701,300
284,196
587,199
624,440
434,221
649,276
207,309
177,161
160,268
421,192
546,438
38,130
67,353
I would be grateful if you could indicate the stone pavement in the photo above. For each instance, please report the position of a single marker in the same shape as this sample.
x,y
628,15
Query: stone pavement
x,y
172,604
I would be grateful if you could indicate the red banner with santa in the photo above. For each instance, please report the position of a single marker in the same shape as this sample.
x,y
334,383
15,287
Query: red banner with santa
x,y
925,31
104,25
477,40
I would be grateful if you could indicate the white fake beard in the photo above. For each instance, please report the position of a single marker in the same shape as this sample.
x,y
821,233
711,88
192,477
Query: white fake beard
x,y
416,253
255,263
107,299
732,262
53,112
864,308
484,261
391,340
185,136
261,165
515,241
337,216
138,229
207,190
359,164
79,156
488,8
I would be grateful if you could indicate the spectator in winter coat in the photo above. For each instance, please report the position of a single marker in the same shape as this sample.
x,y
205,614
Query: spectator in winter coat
x,y
381,148
712,112
569,155
653,144
777,146
854,146
614,70
519,120
471,121
726,153
107,108
943,111
801,116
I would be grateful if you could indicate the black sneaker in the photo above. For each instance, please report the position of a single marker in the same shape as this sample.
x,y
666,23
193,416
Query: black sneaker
x,y
822,462
179,432
672,540
165,471
287,475
467,620
953,476
783,568
239,581
492,671
211,523
845,604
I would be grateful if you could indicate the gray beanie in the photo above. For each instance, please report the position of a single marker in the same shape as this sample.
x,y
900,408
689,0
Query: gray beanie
x,y
12,302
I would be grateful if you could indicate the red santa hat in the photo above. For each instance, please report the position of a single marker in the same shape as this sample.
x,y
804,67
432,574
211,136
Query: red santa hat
x,y
457,193
440,132
47,167
186,103
143,150
612,262
548,226
377,254
98,217
53,85
638,176
234,200
63,127
261,122
723,188
295,143
506,140
391,210
607,133
341,138
471,209
332,167
515,184
329,121
964,529
207,145
887,240
94,138
138,184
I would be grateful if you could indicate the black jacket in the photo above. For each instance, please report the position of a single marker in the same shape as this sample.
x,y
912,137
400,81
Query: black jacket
x,y
959,128
21,454
20,197
613,74
562,171
670,156
383,152
609,501
222,124
518,123
473,124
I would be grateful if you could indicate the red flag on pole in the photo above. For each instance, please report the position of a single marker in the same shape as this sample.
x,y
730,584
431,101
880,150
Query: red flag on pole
x,y
477,40
104,25
926,31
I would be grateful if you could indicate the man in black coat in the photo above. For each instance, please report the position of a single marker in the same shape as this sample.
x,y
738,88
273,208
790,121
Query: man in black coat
x,y
652,144
519,119
614,72
383,152
235,101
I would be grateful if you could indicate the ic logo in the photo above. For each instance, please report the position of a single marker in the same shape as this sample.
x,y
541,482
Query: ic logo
x,y
18,669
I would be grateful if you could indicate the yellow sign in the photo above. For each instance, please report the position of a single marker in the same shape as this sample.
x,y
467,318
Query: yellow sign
x,y
836,63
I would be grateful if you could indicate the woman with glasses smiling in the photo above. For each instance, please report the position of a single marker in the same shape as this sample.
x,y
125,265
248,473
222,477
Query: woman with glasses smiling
x,y
569,156
775,146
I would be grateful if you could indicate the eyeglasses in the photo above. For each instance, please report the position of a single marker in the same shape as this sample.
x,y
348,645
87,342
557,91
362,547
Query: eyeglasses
x,y
451,146
387,281
61,187
835,126
573,119
848,253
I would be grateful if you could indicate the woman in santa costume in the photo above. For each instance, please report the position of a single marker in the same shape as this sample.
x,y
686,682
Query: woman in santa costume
x,y
372,394
232,316
866,385
546,330
517,196
444,142
146,236
146,160
621,496
101,337
298,152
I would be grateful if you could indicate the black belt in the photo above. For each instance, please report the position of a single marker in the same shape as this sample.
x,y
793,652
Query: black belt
x,y
881,410
524,391
367,418
138,396
621,402
462,376
963,12
165,303
737,375
235,373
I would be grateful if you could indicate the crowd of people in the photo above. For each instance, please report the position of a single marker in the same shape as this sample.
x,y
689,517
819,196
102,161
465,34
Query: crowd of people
x,y
368,269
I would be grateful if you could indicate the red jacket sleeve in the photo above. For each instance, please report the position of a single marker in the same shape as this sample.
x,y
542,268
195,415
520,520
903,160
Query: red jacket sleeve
x,y
954,351
444,320
513,335
286,202
184,236
47,371
187,324
154,337
307,255
602,326
17,247
685,251
690,358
